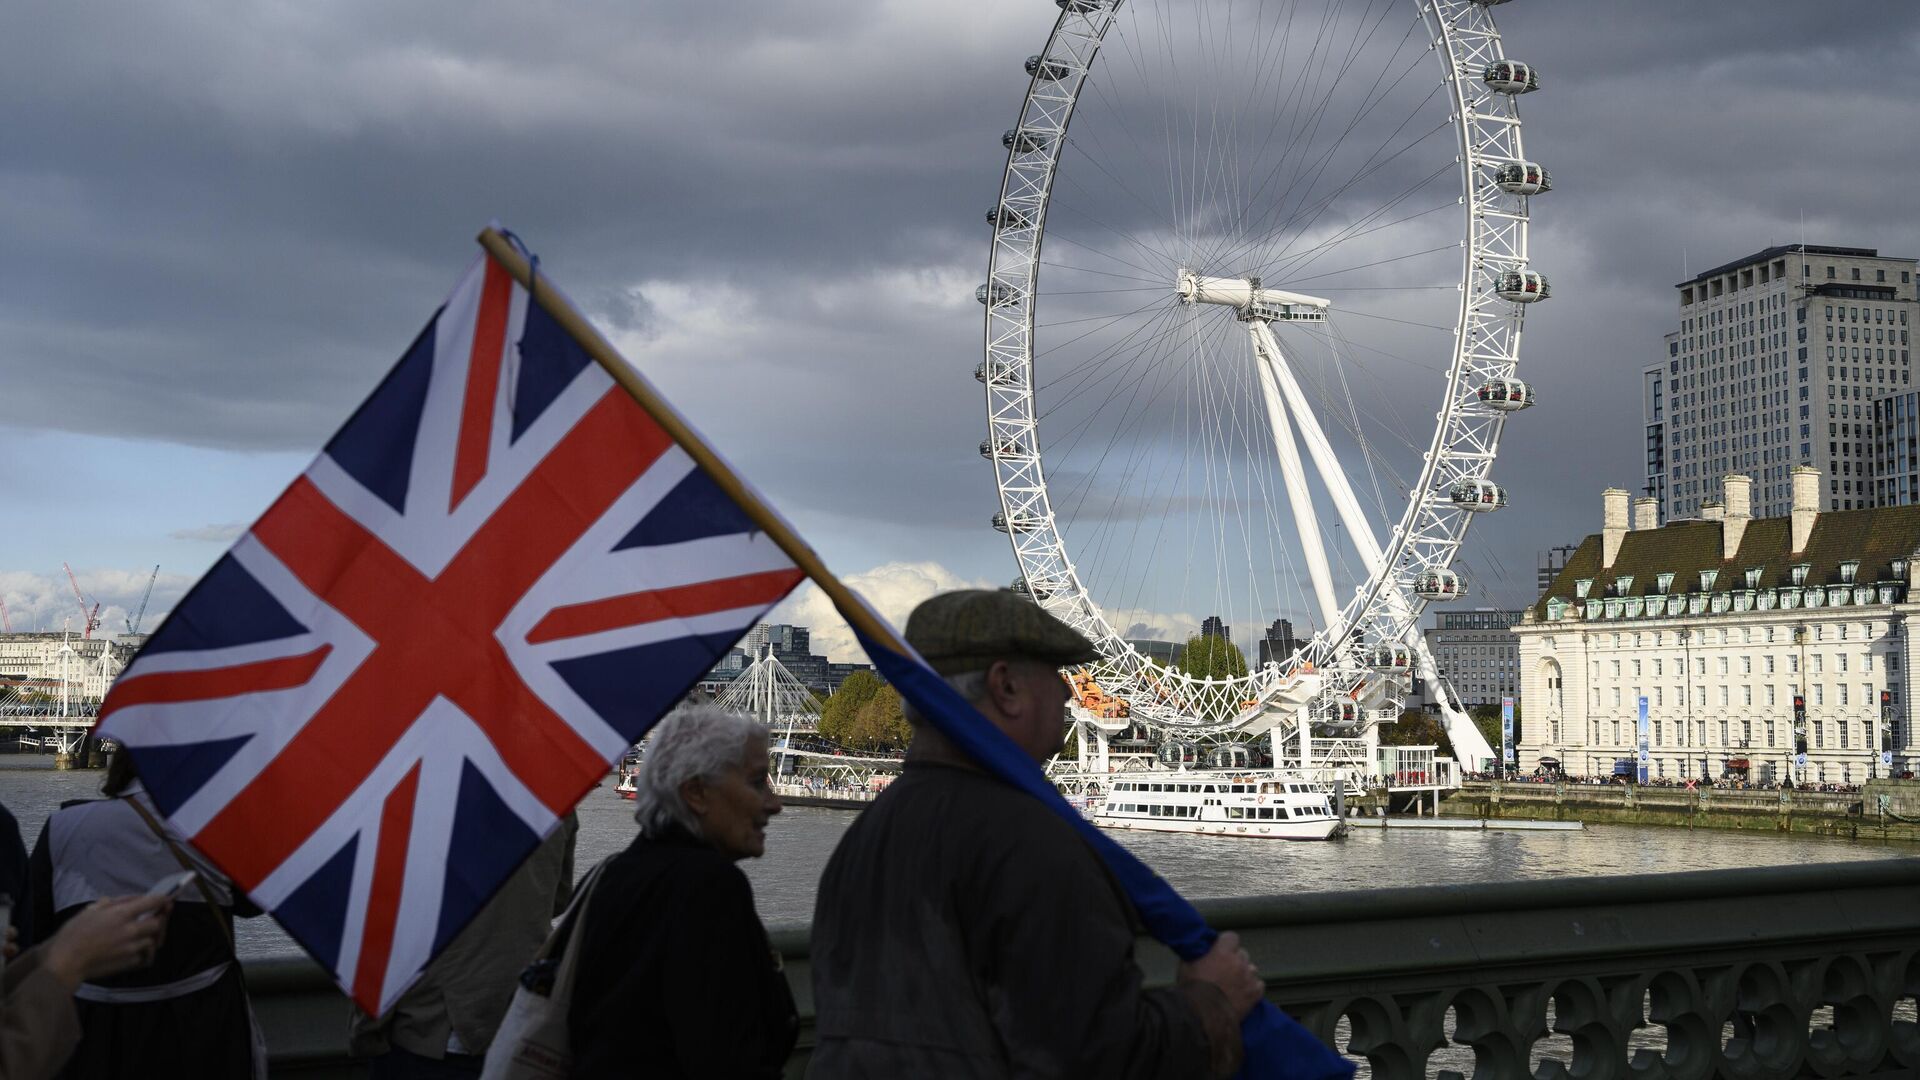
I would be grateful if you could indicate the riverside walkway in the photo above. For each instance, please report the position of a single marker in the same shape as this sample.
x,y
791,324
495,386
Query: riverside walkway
x,y
1880,810
1755,973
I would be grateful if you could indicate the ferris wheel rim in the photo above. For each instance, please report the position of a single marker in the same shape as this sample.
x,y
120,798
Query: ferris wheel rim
x,y
1429,532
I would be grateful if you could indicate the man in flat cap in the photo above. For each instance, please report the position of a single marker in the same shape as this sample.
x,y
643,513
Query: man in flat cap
x,y
963,930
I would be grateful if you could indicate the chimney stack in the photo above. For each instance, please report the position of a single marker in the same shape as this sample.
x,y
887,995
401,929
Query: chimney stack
x,y
1739,492
1613,525
1646,513
1713,510
1806,504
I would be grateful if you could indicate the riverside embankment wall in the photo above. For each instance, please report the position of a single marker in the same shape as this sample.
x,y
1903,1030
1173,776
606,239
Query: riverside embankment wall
x,y
1883,809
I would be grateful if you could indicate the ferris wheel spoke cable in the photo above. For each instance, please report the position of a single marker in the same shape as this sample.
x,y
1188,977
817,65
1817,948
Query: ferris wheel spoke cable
x,y
1098,368
1075,494
1304,135
1075,268
1287,232
1257,228
1290,263
1304,214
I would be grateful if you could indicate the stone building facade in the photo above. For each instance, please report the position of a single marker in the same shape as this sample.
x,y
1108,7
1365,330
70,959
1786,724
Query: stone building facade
x,y
1721,624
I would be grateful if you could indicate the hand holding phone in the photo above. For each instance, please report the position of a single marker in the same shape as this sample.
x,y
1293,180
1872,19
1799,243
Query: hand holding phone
x,y
174,885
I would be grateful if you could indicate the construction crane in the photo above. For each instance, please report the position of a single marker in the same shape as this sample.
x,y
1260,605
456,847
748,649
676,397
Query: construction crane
x,y
6,623
88,618
133,624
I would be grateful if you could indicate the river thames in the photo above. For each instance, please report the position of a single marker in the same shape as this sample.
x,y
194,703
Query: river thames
x,y
800,840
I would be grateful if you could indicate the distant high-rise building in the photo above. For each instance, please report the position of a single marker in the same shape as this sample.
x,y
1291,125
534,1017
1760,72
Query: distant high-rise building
x,y
1552,561
1477,653
1777,362
793,647
1278,643
1211,626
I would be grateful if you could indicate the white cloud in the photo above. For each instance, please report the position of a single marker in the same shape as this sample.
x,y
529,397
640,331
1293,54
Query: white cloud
x,y
46,601
215,534
894,589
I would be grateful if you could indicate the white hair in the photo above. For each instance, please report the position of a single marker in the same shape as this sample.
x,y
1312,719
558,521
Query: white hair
x,y
693,742
971,685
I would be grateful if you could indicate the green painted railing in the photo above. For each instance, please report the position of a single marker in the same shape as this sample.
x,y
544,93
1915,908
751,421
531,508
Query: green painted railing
x,y
1758,973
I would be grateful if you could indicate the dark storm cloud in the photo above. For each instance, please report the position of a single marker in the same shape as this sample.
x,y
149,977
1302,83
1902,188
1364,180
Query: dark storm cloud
x,y
223,221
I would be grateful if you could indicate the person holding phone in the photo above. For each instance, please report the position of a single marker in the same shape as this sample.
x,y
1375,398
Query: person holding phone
x,y
186,1013
39,1026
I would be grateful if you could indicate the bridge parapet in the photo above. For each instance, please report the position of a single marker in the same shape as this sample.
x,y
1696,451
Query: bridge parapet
x,y
1781,972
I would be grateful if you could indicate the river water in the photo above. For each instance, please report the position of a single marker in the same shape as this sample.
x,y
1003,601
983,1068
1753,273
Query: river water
x,y
800,840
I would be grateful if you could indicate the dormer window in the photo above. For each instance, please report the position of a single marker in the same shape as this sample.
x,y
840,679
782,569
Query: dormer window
x,y
1582,586
1707,578
1753,576
1899,568
1665,582
1800,572
1848,568
1622,584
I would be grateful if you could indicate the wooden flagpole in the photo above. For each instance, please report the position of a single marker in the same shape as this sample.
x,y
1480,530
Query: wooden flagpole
x,y
555,304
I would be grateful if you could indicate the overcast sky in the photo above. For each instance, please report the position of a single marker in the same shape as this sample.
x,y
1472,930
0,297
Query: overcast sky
x,y
222,222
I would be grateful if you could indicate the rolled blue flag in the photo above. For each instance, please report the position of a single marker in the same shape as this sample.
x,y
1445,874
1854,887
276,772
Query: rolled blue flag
x,y
1277,1046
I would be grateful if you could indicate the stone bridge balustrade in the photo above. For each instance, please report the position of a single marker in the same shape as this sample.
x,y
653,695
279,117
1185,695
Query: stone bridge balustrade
x,y
1761,973
1771,972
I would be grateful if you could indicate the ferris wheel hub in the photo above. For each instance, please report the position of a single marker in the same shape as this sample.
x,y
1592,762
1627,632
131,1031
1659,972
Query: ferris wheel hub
x,y
1248,298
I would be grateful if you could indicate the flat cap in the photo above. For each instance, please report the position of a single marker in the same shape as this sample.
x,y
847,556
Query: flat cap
x,y
969,629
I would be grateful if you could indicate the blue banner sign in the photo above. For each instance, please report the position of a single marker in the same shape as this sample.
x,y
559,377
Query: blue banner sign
x,y
1643,739
1507,748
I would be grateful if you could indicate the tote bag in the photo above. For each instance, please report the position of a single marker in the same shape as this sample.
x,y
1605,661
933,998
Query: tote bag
x,y
532,1042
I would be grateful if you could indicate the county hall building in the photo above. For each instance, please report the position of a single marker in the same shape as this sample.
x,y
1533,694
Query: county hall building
x,y
1722,622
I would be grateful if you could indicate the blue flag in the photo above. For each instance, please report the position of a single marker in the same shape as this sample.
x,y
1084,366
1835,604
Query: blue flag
x,y
1277,1047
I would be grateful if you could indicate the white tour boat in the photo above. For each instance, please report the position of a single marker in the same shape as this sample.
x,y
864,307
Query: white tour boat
x,y
1271,805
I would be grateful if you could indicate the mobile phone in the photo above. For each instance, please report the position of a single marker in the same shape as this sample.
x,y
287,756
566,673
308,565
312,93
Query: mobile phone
x,y
173,884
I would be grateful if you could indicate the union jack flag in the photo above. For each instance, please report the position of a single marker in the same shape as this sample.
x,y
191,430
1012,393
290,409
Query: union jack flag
x,y
491,582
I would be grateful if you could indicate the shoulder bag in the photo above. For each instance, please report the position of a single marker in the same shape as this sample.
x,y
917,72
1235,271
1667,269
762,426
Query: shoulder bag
x,y
532,1041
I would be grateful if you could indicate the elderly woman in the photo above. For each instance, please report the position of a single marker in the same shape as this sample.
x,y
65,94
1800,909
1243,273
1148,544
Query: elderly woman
x,y
676,976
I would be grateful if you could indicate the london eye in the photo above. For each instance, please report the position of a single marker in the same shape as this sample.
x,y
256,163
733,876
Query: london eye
x,y
1253,312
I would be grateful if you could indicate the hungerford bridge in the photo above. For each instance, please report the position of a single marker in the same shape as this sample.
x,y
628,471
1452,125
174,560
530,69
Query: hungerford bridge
x,y
1105,740
51,686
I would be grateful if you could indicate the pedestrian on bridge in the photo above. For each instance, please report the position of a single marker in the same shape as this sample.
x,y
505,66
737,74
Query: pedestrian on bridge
x,y
676,976
186,1014
963,930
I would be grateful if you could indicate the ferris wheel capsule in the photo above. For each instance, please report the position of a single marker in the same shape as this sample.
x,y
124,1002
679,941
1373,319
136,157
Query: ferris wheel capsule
x,y
1506,395
1177,752
1478,495
1047,70
1009,447
997,294
998,372
1234,755
1391,658
1511,77
1521,287
1522,178
1021,141
1031,590
1019,523
1080,7
1439,583
1006,217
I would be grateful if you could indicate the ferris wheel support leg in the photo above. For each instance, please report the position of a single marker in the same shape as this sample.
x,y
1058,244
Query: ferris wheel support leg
x,y
1469,746
1359,530
1311,548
